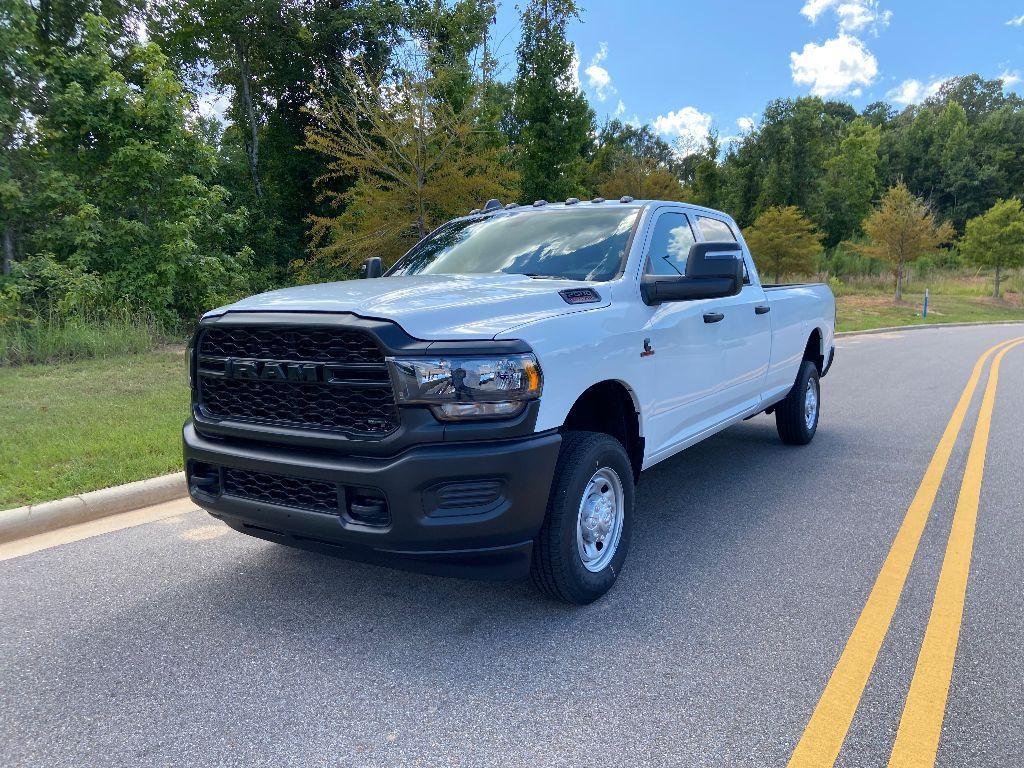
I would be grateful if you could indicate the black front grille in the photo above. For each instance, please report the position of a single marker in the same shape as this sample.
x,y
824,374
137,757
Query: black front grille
x,y
297,492
327,379
314,345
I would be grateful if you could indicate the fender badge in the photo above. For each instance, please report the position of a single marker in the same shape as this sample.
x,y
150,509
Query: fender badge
x,y
648,349
580,296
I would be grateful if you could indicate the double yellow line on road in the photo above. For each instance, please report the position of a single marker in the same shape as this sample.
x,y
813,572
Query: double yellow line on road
x,y
921,723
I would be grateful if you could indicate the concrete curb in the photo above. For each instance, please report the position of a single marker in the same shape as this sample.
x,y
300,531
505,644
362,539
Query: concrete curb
x,y
50,515
923,326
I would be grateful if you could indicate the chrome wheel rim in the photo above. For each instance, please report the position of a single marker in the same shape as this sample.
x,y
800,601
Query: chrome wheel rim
x,y
599,522
811,404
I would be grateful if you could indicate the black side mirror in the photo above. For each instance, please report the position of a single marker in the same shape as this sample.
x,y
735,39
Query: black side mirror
x,y
713,270
372,267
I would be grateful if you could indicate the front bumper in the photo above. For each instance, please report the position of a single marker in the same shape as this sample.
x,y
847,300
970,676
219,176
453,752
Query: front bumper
x,y
481,535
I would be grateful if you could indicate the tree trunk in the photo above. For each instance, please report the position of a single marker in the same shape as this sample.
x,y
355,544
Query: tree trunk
x,y
996,292
252,141
899,281
8,257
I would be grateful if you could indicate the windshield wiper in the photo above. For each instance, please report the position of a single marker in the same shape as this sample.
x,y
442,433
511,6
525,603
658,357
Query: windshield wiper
x,y
537,275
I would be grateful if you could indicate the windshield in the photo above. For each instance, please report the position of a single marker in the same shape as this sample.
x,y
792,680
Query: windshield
x,y
573,244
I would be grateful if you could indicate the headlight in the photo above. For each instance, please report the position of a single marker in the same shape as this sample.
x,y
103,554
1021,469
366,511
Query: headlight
x,y
468,387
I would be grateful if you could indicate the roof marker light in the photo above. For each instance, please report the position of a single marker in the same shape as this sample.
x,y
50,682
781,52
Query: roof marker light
x,y
571,200
597,200
474,212
510,206
539,203
625,199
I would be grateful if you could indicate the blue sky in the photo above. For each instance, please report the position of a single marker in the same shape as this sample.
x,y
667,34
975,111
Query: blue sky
x,y
687,65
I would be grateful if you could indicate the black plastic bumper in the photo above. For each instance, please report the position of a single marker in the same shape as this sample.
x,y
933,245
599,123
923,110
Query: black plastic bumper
x,y
465,509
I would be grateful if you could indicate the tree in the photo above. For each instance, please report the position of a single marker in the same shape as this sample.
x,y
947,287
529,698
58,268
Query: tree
x,y
552,122
417,162
850,182
901,230
784,240
268,59
19,86
996,239
641,178
124,211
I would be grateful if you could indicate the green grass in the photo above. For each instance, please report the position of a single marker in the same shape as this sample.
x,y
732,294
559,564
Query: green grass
x,y
51,340
862,311
76,427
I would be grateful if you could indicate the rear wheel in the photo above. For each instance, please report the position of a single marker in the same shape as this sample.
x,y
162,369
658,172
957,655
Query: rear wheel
x,y
796,417
582,544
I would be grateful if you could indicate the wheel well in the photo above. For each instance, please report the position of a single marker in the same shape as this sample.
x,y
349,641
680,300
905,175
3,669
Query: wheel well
x,y
812,351
608,407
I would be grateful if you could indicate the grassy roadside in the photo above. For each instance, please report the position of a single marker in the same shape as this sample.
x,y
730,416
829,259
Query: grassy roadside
x,y
76,427
861,312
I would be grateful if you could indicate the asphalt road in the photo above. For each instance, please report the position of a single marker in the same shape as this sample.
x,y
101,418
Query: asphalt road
x,y
179,642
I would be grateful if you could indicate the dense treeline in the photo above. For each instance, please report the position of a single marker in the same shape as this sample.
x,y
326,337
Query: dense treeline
x,y
158,157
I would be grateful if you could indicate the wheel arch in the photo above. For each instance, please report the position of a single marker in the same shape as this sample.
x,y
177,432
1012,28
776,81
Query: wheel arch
x,y
814,350
611,407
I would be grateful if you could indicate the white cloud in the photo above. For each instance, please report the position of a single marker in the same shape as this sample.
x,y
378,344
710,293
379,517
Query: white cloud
x,y
914,91
688,125
853,15
745,124
1017,22
837,66
1010,79
620,109
597,76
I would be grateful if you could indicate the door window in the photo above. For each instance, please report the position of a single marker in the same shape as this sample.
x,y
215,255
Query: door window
x,y
670,245
715,231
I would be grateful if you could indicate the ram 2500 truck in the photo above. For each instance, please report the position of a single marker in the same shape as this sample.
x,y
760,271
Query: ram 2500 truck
x,y
487,406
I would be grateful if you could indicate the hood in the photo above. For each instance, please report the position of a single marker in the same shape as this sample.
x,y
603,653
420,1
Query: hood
x,y
432,307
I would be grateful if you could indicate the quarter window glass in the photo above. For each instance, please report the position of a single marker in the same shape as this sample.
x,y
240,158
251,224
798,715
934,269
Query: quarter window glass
x,y
670,245
715,231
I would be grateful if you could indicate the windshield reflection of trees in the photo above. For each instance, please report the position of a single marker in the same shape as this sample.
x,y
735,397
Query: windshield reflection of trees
x,y
576,247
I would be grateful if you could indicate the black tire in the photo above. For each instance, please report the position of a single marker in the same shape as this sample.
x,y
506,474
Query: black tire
x,y
790,414
557,568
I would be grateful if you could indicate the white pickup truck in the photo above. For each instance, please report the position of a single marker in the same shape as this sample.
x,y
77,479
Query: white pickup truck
x,y
486,407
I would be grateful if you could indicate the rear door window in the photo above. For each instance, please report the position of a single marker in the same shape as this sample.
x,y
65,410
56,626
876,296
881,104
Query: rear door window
x,y
715,231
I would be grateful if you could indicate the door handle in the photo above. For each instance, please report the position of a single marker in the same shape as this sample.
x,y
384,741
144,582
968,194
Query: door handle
x,y
713,317
762,309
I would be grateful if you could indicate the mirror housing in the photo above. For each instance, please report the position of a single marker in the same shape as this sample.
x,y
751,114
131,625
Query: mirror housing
x,y
713,271
372,267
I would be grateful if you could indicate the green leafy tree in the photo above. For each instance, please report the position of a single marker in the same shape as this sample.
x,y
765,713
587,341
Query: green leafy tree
x,y
996,239
783,241
850,182
417,162
125,212
901,230
269,59
633,160
19,86
552,121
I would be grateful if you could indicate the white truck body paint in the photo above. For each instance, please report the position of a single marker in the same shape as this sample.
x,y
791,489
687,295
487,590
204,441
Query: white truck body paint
x,y
701,378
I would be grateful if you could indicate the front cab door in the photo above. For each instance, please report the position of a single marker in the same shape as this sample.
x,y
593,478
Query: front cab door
x,y
684,357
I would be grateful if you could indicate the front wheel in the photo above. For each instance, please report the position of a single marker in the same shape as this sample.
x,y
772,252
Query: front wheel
x,y
796,417
582,544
